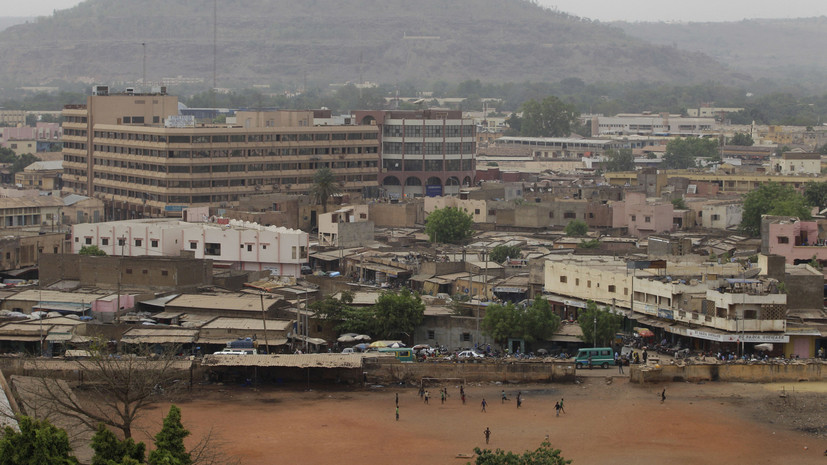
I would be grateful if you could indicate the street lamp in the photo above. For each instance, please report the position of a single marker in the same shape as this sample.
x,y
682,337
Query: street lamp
x,y
595,329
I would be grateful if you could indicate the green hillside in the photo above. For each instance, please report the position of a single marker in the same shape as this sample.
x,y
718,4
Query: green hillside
x,y
278,41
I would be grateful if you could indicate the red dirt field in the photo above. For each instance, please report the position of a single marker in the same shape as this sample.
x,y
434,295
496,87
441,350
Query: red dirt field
x,y
616,423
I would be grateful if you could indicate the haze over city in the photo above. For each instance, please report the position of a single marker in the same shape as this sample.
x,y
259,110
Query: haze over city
x,y
602,10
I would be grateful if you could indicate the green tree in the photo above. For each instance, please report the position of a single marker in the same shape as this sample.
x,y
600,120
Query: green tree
x,y
741,138
771,199
544,455
169,442
589,244
576,228
502,251
684,153
449,225
38,442
822,150
398,313
324,186
550,117
608,324
536,322
815,193
619,160
109,450
331,308
679,203
91,250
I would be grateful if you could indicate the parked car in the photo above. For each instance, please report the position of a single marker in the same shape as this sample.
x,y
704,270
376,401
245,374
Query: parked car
x,y
349,350
229,351
469,354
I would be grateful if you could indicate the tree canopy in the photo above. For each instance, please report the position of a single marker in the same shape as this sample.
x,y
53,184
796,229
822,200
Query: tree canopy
x,y
397,314
109,450
324,185
608,324
169,442
815,193
18,162
502,251
771,199
619,160
38,442
576,228
543,455
536,322
91,250
741,138
449,225
684,153
550,117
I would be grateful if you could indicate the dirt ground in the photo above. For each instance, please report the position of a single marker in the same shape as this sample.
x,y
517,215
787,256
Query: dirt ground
x,y
617,423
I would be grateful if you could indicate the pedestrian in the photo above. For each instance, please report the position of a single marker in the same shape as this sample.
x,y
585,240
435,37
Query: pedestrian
x,y
397,413
645,356
663,396
461,390
483,403
503,398
590,362
463,398
561,406
557,408
397,400
619,363
421,392
519,402
427,396
487,434
442,395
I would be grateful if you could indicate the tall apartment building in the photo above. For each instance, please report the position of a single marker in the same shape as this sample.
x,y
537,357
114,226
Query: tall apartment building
x,y
124,150
423,152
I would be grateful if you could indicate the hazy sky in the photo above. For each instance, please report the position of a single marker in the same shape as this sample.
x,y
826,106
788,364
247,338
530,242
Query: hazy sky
x,y
603,10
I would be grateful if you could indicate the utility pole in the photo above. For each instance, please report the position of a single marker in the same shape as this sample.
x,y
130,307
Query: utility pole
x,y
595,329
264,323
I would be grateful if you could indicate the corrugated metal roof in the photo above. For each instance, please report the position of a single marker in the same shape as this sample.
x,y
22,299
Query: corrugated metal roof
x,y
247,323
293,361
244,302
159,301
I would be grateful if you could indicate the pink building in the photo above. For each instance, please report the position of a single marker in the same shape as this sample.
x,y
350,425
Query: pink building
x,y
798,241
642,218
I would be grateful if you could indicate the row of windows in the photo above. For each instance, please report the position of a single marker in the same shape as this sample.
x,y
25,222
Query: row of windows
x,y
612,287
75,119
74,145
74,132
428,148
236,168
419,130
269,152
234,138
427,165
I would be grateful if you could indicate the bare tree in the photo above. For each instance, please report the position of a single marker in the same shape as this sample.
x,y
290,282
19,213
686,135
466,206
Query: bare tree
x,y
112,389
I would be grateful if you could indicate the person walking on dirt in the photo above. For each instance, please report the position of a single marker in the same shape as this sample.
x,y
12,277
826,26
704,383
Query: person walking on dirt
x,y
487,434
561,406
427,396
645,356
397,413
663,396
590,362
462,396
519,399
619,365
483,403
557,408
397,400
442,396
503,398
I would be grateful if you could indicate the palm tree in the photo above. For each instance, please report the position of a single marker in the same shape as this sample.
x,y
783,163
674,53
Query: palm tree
x,y
324,185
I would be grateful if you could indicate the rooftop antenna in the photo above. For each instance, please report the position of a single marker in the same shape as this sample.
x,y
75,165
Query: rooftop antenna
x,y
214,47
143,81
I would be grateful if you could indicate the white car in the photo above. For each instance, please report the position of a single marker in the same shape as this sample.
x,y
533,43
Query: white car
x,y
469,354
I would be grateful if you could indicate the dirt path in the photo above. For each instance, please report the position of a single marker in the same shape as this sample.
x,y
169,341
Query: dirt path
x,y
619,423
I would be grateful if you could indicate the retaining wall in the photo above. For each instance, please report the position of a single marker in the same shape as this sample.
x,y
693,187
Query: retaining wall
x,y
393,371
744,373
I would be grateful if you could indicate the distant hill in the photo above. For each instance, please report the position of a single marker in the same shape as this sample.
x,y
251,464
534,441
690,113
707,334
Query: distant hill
x,y
280,41
8,21
791,50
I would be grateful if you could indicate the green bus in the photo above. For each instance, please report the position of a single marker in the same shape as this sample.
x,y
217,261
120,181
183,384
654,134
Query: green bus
x,y
403,354
592,357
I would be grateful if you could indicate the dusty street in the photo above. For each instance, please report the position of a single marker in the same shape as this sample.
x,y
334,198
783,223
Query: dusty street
x,y
604,423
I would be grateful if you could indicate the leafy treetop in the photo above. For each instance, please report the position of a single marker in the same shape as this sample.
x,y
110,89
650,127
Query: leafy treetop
x,y
619,160
550,117
536,322
742,139
169,442
502,251
38,442
449,225
771,199
608,324
684,153
544,455
91,250
109,450
576,228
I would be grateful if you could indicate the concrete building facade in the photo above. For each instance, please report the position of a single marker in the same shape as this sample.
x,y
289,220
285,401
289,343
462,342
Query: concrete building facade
x,y
423,152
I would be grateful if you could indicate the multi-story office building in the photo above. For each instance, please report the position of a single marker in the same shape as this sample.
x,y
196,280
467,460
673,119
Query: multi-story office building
x,y
423,152
124,149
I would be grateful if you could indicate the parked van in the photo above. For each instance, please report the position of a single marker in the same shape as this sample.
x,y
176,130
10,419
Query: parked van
x,y
597,356
403,354
228,351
